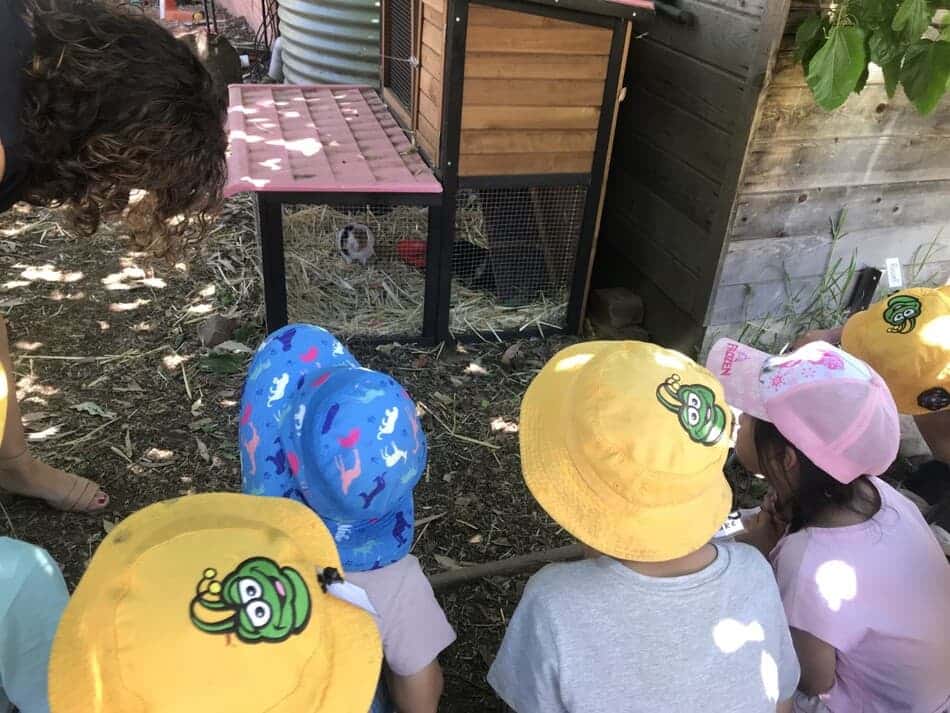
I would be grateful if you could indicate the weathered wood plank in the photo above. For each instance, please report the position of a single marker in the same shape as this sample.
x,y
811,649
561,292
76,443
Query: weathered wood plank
x,y
652,259
429,111
674,181
911,244
682,80
433,37
520,117
791,113
430,86
778,165
739,303
513,164
496,141
750,261
754,8
434,15
437,5
692,140
427,144
534,92
594,41
494,65
432,62
787,213
487,16
719,37
653,216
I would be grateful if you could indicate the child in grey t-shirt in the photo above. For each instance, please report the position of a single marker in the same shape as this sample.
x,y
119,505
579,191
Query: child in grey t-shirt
x,y
623,444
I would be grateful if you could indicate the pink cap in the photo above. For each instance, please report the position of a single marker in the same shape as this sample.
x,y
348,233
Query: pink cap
x,y
830,405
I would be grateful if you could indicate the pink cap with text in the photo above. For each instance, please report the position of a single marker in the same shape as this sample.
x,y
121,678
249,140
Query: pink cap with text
x,y
832,406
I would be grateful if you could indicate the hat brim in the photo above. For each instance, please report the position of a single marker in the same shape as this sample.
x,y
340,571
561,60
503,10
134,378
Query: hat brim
x,y
738,368
611,526
85,672
372,544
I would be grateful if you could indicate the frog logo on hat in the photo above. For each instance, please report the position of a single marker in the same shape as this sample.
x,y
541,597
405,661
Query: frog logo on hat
x,y
901,313
695,404
258,602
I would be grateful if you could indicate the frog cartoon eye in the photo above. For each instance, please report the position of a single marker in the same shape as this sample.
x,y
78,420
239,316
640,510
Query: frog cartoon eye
x,y
258,613
692,400
248,589
692,416
908,313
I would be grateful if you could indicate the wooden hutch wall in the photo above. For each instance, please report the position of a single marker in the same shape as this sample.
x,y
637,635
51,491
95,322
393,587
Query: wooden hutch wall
x,y
683,130
533,91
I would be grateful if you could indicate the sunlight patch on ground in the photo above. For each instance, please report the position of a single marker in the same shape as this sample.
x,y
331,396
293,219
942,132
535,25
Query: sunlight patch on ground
x,y
13,284
103,325
44,434
60,296
143,326
203,308
25,346
159,455
29,386
47,273
208,290
127,306
173,361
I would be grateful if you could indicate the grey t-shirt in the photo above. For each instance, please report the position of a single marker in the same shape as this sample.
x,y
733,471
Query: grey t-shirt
x,y
596,636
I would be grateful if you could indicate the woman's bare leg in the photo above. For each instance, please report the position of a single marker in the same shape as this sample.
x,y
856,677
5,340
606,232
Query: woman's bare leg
x,y
21,473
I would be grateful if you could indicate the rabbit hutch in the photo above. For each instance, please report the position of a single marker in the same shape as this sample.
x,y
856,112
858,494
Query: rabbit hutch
x,y
512,103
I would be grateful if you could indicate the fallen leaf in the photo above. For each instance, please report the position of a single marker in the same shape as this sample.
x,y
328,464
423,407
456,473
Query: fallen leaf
x,y
107,525
202,424
446,562
215,330
222,363
511,354
159,454
475,369
231,347
503,425
203,450
94,409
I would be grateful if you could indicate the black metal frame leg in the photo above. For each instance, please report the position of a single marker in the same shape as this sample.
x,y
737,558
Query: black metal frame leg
x,y
270,231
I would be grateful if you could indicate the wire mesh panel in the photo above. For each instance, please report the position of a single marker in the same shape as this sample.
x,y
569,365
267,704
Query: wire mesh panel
x,y
513,258
358,271
397,62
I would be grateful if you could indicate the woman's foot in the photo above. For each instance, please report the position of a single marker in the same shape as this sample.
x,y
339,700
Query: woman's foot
x,y
32,478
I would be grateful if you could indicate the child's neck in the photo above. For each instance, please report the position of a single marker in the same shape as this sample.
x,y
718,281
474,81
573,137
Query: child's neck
x,y
680,567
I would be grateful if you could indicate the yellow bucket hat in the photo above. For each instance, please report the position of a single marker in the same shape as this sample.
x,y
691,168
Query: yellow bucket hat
x,y
623,444
906,339
212,603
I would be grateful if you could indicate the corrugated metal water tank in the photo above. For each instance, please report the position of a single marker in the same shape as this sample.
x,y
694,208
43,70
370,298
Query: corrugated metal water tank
x,y
330,41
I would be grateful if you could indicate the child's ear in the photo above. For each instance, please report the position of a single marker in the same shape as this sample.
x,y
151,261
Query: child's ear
x,y
790,460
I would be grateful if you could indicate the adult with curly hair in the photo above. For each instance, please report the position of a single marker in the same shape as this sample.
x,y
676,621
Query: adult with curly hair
x,y
96,101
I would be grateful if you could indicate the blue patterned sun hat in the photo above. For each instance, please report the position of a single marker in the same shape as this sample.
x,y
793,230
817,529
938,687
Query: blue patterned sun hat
x,y
279,368
349,445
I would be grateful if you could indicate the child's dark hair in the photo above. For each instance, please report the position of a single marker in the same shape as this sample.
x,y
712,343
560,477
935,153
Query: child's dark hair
x,y
816,491
112,102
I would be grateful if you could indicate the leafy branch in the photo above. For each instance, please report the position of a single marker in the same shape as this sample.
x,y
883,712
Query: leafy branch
x,y
908,39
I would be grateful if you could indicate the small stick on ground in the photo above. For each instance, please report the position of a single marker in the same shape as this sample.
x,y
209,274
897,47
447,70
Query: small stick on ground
x,y
505,567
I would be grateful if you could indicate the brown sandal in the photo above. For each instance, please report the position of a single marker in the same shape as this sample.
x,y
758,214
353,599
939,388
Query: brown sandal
x,y
73,493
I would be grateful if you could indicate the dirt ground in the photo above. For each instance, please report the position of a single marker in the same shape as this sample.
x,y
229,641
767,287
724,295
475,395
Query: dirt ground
x,y
115,385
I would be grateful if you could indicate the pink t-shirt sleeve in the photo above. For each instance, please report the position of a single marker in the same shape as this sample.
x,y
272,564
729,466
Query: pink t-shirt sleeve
x,y
412,625
816,588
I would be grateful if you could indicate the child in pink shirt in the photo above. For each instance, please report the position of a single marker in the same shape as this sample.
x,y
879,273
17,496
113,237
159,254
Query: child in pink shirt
x,y
865,585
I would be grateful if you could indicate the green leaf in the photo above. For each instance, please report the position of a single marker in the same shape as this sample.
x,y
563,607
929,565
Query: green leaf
x,y
912,18
892,75
222,363
835,69
862,81
808,38
885,46
925,73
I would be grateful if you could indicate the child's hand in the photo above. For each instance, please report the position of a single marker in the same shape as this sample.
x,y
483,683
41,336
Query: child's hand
x,y
764,529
